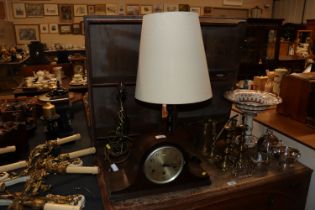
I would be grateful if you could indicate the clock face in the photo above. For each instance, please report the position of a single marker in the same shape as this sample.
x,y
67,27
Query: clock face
x,y
78,69
164,164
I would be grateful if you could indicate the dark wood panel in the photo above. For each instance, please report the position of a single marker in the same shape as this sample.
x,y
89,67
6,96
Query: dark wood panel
x,y
112,45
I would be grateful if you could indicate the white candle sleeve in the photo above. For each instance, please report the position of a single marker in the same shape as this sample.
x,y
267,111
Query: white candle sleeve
x,y
7,149
82,170
55,206
5,202
13,166
16,180
68,139
80,153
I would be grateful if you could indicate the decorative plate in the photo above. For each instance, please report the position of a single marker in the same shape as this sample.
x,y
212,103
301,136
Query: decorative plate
x,y
252,100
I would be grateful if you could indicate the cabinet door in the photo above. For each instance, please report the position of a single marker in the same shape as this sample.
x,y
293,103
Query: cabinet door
x,y
260,50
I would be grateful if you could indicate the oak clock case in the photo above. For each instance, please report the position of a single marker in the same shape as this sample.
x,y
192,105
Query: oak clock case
x,y
157,165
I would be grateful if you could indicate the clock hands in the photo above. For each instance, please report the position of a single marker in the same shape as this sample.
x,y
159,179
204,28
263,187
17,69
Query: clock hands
x,y
172,165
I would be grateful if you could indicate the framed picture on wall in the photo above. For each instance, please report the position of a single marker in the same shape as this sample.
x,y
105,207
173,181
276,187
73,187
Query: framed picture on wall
x,y
53,28
34,10
65,28
196,10
111,9
121,9
207,11
76,28
170,7
19,10
132,9
233,2
184,7
158,8
66,12
91,9
146,9
26,33
100,9
44,28
51,9
80,10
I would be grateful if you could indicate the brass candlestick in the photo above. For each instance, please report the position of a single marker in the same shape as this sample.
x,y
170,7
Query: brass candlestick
x,y
240,162
206,138
213,140
224,164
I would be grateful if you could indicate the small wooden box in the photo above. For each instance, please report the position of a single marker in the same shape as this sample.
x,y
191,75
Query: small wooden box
x,y
298,94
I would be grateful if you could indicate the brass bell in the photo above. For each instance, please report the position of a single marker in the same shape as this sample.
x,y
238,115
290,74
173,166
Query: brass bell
x,y
49,110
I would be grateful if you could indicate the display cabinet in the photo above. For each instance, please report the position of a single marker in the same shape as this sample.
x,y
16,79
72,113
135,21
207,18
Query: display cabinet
x,y
260,50
310,25
112,45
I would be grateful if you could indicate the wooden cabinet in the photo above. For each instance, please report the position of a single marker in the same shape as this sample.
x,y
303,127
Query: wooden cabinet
x,y
260,50
298,97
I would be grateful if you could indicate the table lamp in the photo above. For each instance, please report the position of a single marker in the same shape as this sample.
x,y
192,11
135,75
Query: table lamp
x,y
172,66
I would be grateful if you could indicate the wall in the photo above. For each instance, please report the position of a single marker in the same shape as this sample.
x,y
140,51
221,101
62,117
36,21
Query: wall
x,y
293,10
6,33
78,40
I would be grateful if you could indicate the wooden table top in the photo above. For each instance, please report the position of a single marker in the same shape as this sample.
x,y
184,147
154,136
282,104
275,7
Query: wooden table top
x,y
299,132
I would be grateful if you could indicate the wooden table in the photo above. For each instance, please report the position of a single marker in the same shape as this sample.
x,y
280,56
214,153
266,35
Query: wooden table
x,y
20,91
10,69
272,189
298,131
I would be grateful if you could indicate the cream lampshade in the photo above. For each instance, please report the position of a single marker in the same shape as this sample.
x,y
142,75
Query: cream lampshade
x,y
172,65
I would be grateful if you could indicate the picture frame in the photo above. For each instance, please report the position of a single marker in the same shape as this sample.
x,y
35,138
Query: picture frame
x,y
196,10
207,11
53,28
100,9
65,28
184,7
51,10
26,33
19,10
34,10
132,9
232,2
157,8
91,9
122,9
80,10
76,28
111,9
66,12
44,28
146,9
170,7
